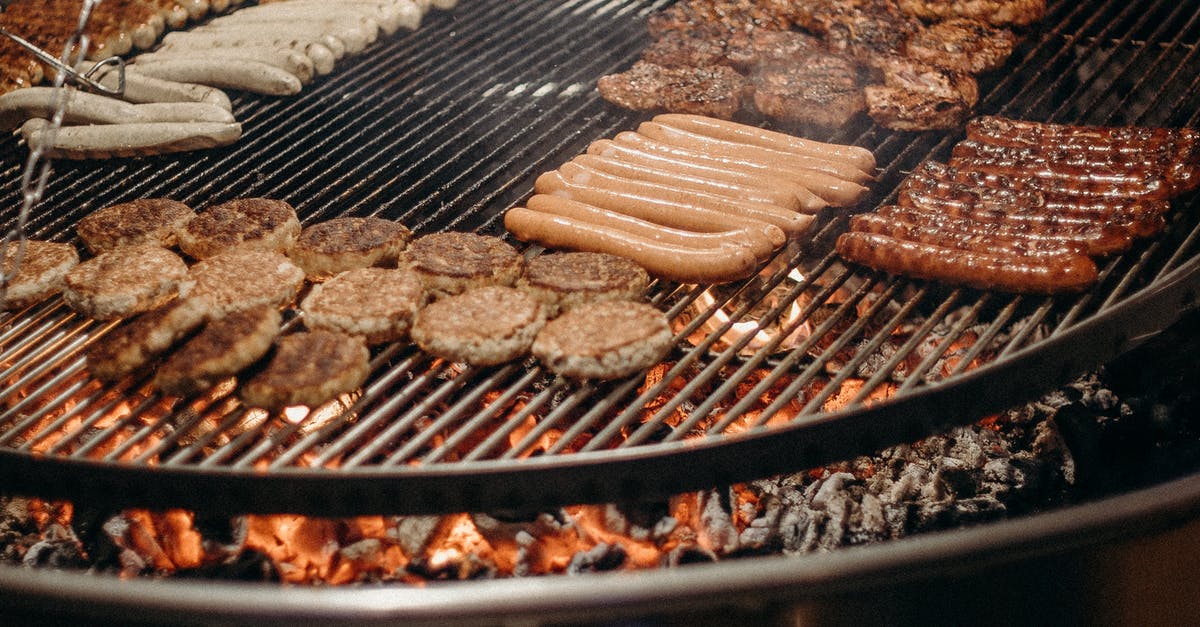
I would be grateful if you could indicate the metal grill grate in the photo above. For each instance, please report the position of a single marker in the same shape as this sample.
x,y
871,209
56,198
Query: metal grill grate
x,y
445,128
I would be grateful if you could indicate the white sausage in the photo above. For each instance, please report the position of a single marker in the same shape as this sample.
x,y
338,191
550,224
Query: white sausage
x,y
252,76
126,140
87,108
198,41
141,88
295,63
322,57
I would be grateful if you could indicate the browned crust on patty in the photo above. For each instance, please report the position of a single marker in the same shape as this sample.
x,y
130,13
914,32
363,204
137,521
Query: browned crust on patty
x,y
341,244
44,265
309,368
482,326
154,221
259,223
243,278
140,340
564,280
223,348
452,262
604,340
124,281
378,304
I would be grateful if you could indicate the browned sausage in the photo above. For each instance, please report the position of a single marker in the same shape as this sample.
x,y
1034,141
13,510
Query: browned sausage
x,y
616,167
660,211
1100,183
1095,239
580,212
810,202
791,222
675,263
860,158
978,240
1068,273
836,191
750,152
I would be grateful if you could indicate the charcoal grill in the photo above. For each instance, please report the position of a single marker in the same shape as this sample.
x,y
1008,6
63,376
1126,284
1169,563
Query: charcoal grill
x,y
447,127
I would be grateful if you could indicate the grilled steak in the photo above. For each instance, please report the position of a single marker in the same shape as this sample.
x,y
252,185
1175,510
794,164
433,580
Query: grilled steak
x,y
719,15
915,96
750,51
868,30
962,44
996,12
824,90
714,90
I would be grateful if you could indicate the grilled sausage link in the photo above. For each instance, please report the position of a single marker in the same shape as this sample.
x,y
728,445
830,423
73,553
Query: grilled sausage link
x,y
669,261
1095,239
1066,273
963,237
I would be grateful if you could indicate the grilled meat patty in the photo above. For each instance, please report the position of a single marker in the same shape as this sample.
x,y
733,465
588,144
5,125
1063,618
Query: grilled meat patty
x,y
124,281
154,221
378,304
43,268
327,248
564,280
308,368
482,326
604,340
452,262
995,12
962,44
713,90
243,278
822,89
225,347
915,96
259,223
140,340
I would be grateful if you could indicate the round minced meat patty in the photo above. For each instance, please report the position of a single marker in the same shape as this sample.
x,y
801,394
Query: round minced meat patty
x,y
309,368
378,304
482,326
156,221
604,340
564,280
327,248
258,223
124,281
452,262
44,266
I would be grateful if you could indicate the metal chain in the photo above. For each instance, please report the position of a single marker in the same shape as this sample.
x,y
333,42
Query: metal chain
x,y
37,167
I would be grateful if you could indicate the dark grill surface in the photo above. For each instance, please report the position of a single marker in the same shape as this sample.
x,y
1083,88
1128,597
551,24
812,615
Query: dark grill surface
x,y
447,127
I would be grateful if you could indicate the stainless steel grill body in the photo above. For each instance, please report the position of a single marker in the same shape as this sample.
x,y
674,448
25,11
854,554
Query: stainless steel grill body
x,y
447,127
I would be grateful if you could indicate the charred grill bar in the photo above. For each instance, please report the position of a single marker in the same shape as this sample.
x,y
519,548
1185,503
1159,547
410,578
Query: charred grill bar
x,y
445,128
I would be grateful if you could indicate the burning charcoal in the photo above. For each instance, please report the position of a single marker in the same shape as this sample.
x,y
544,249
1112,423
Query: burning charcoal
x,y
541,545
717,530
689,554
413,533
61,553
600,558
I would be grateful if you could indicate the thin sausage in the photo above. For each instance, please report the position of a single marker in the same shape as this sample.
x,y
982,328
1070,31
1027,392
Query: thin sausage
x,y
391,16
580,212
835,191
791,222
1071,273
675,263
659,210
750,152
192,40
87,108
608,149
616,167
1097,184
353,40
860,158
321,57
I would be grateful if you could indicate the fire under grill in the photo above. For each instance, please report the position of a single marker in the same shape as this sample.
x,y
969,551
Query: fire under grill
x,y
445,128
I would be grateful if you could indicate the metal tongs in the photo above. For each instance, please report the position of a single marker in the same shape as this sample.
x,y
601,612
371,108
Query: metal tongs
x,y
83,80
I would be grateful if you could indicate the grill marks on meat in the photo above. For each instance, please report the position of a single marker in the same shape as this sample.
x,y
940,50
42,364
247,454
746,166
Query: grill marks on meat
x,y
962,44
821,89
915,96
995,12
714,90
1024,206
808,62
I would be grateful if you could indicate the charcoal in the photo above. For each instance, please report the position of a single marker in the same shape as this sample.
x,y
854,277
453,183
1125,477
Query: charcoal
x,y
602,557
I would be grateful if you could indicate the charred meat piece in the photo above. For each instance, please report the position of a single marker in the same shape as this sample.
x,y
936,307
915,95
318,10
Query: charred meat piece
x,y
687,48
919,97
760,47
962,44
715,90
728,16
995,12
868,30
823,90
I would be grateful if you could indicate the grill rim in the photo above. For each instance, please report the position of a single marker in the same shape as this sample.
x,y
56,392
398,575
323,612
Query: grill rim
x,y
1070,532
630,467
